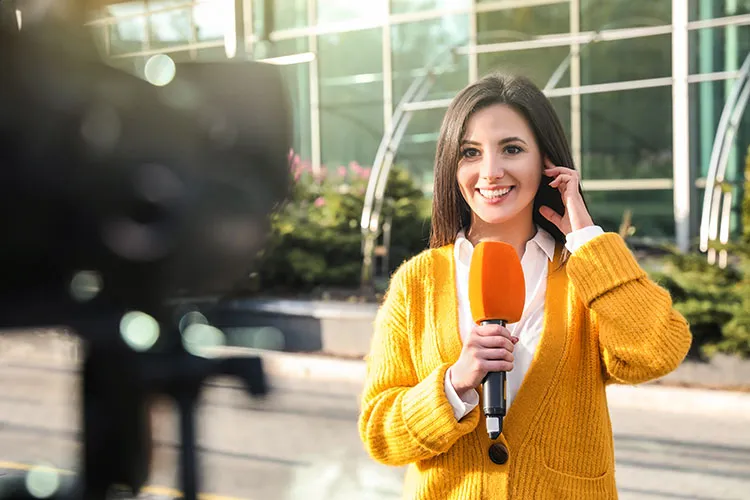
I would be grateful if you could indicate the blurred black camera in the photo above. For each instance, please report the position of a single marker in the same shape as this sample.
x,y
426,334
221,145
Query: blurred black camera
x,y
117,195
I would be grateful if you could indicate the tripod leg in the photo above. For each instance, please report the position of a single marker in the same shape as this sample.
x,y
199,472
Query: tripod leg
x,y
188,459
116,424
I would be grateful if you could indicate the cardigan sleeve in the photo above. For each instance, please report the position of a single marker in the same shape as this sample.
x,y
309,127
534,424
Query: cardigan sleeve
x,y
641,336
404,419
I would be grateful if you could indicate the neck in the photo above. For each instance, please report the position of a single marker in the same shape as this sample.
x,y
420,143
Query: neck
x,y
516,233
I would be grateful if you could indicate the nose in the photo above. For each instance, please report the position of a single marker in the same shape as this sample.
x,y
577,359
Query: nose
x,y
492,167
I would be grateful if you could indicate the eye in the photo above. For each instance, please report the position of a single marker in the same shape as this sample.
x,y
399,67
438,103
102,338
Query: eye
x,y
513,150
470,153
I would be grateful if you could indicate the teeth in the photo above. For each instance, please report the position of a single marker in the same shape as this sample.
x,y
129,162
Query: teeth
x,y
494,193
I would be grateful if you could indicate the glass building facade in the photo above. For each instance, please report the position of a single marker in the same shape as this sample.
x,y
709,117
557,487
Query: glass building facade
x,y
639,84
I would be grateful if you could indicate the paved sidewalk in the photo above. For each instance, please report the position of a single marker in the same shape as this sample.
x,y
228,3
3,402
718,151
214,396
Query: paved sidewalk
x,y
301,443
652,397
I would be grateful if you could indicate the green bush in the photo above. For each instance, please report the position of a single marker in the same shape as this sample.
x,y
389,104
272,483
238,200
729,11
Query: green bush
x,y
316,239
703,293
737,331
715,301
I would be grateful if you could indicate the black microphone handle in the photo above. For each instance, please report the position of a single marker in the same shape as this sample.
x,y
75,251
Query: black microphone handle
x,y
494,389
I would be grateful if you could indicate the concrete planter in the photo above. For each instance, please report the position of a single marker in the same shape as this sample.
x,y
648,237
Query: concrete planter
x,y
345,329
721,371
337,328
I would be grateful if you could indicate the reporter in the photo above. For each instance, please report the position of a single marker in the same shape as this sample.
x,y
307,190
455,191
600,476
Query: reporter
x,y
504,172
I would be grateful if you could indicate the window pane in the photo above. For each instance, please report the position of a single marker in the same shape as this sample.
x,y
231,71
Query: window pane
x,y
351,96
707,100
511,25
562,108
403,6
514,25
417,149
712,9
652,211
718,49
126,9
427,45
603,14
297,82
627,134
537,64
602,62
213,19
330,11
170,28
290,14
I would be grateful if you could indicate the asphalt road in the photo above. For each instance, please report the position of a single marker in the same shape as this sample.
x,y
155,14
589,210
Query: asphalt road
x,y
301,443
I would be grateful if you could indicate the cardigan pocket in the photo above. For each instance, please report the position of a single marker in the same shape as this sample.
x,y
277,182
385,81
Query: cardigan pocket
x,y
560,485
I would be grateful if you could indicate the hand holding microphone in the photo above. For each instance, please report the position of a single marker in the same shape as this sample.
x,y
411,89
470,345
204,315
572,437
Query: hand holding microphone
x,y
488,348
497,293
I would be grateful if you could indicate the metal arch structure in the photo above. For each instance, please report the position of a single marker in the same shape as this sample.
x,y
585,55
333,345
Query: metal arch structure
x,y
386,153
718,197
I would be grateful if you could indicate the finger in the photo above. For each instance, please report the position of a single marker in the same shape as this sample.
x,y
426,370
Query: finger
x,y
551,215
492,331
562,182
495,366
495,355
559,170
496,342
562,178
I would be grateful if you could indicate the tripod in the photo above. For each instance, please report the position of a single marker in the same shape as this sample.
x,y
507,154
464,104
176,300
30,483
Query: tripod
x,y
109,184
118,385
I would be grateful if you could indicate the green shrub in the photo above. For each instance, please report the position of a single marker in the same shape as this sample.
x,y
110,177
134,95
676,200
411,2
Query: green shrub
x,y
703,293
715,301
737,331
316,237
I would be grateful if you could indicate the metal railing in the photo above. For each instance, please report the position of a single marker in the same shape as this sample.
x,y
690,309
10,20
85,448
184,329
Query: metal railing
x,y
718,198
386,153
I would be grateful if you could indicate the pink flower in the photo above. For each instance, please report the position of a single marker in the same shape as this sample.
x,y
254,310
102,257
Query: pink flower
x,y
366,172
320,201
342,171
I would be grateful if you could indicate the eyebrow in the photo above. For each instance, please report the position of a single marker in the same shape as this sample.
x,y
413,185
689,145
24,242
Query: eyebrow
x,y
501,141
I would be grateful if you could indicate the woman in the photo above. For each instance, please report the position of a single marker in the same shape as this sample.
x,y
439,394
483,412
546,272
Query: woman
x,y
504,172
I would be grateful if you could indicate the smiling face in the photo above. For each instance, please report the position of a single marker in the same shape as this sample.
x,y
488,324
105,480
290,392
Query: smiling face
x,y
500,168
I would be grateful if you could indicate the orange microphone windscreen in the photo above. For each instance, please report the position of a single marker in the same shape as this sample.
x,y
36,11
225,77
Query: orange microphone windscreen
x,y
497,289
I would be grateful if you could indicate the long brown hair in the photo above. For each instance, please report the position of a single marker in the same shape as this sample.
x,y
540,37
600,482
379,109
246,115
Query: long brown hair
x,y
450,212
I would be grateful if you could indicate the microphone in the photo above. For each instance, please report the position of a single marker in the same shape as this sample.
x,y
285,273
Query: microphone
x,y
497,293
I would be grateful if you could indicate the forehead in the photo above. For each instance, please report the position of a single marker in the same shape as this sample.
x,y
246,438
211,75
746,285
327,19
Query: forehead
x,y
495,121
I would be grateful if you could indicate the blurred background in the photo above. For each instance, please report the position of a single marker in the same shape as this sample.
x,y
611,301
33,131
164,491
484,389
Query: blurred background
x,y
607,66
653,96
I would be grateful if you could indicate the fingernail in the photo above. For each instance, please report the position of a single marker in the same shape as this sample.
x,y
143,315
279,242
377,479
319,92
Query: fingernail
x,y
515,339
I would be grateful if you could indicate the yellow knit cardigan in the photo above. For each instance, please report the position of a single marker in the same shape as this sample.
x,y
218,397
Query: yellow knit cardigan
x,y
604,322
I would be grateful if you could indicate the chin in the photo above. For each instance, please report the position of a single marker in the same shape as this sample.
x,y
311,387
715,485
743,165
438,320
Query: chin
x,y
496,216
